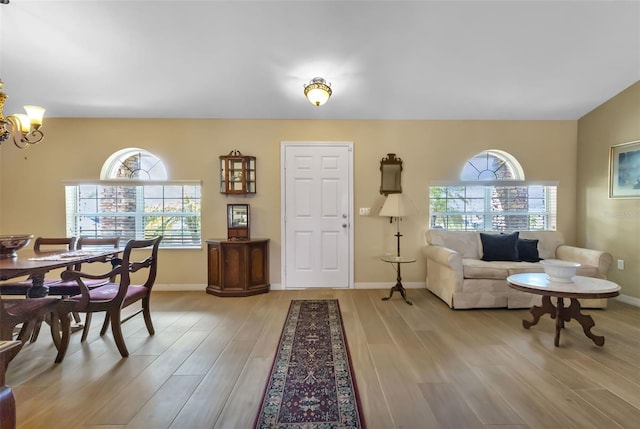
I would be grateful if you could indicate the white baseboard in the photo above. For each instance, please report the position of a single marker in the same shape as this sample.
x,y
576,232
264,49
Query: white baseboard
x,y
389,285
372,285
629,300
278,286
383,285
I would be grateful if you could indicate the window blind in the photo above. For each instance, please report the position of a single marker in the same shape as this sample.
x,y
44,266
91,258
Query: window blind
x,y
135,210
499,206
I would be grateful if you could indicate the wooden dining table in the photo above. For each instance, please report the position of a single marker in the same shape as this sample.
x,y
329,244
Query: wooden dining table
x,y
37,264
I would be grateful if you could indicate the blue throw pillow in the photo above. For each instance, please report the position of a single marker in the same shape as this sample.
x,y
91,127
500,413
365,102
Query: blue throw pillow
x,y
528,250
500,247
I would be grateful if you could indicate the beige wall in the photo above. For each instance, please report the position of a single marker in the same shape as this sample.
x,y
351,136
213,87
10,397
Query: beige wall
x,y
604,223
32,198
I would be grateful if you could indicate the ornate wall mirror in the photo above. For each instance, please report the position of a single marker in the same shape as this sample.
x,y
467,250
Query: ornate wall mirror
x,y
391,175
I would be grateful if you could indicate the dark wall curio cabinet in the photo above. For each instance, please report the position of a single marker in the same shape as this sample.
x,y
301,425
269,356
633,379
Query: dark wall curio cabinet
x,y
237,173
238,268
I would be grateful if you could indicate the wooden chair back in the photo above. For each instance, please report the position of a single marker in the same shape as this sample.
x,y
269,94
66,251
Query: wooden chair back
x,y
150,262
66,243
88,242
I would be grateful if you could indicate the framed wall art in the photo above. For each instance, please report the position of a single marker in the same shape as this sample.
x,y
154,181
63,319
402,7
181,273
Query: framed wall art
x,y
624,170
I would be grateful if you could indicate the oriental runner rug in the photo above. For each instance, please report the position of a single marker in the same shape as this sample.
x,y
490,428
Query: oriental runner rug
x,y
311,385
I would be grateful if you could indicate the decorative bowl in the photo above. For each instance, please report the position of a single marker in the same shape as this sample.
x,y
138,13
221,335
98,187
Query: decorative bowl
x,y
10,244
560,271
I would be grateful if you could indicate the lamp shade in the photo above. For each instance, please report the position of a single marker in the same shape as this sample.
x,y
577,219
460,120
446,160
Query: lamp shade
x,y
396,205
22,122
35,114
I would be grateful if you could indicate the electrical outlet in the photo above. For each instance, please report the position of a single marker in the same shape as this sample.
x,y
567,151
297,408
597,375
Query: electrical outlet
x,y
365,211
621,264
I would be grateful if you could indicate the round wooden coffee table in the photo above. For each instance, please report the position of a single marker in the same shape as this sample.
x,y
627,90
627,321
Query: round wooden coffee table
x,y
579,287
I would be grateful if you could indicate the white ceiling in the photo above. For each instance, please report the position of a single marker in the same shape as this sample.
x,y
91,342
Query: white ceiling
x,y
384,59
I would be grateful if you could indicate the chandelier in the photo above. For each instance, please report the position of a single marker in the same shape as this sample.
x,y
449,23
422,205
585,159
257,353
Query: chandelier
x,y
23,130
317,91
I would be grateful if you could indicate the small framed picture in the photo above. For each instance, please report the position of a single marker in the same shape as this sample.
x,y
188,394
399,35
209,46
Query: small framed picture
x,y
624,170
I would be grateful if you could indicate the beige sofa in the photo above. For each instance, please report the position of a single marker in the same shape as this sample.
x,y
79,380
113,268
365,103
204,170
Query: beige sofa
x,y
456,273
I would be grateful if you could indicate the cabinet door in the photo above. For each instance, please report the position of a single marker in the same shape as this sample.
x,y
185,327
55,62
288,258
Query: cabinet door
x,y
233,276
214,264
258,269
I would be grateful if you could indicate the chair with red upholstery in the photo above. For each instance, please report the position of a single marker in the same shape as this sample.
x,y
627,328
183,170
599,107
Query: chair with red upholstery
x,y
112,297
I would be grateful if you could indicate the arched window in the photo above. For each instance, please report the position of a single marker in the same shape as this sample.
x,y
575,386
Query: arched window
x,y
492,165
134,200
493,196
133,163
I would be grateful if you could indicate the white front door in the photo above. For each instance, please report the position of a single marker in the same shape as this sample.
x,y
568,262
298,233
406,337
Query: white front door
x,y
317,179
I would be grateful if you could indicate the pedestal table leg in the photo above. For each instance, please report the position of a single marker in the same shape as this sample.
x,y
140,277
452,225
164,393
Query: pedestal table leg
x,y
398,287
37,289
586,321
538,311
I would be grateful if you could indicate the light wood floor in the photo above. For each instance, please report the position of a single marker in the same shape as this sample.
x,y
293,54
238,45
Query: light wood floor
x,y
420,366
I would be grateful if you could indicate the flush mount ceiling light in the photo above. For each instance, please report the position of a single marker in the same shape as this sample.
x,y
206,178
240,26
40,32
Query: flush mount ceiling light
x,y
317,91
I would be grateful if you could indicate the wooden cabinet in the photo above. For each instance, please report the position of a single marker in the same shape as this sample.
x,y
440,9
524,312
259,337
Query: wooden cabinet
x,y
238,267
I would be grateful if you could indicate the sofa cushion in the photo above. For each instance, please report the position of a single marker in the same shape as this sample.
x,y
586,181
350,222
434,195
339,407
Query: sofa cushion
x,y
526,267
528,250
477,269
499,247
498,270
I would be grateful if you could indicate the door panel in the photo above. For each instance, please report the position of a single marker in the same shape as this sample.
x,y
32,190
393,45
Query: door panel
x,y
317,250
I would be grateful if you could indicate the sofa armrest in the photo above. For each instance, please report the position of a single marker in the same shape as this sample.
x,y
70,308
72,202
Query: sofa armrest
x,y
444,270
444,256
595,258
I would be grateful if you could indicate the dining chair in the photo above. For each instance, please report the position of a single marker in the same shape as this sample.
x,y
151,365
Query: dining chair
x,y
69,288
41,244
28,313
112,297
65,289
